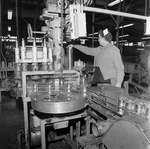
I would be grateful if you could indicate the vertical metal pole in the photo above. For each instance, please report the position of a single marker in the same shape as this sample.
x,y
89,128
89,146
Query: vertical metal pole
x,y
17,22
70,58
43,138
25,110
26,122
0,31
71,133
0,36
117,31
148,7
78,128
0,19
93,25
62,27
35,18
126,88
147,13
88,125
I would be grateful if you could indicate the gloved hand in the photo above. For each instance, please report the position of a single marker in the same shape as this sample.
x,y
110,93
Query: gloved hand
x,y
118,84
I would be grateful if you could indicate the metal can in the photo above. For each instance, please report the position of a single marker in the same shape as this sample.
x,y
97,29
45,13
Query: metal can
x,y
120,106
147,112
137,108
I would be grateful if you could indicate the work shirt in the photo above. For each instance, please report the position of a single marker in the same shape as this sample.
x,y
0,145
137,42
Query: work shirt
x,y
108,59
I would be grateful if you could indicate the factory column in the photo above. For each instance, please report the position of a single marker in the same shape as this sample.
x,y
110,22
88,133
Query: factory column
x,y
0,18
147,13
17,22
0,43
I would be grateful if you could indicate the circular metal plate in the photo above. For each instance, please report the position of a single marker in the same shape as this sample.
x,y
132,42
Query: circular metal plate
x,y
58,101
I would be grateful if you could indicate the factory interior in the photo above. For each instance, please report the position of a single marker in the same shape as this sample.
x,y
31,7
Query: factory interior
x,y
47,96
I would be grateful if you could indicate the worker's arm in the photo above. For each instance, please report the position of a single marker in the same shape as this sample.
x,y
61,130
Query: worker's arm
x,y
88,51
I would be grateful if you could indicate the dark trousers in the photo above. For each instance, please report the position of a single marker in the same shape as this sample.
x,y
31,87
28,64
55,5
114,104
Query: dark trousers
x,y
98,77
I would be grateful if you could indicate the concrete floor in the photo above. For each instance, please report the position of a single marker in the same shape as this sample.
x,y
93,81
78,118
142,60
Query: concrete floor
x,y
11,121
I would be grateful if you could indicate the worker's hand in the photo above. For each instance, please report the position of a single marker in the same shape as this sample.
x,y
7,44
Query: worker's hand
x,y
70,46
118,84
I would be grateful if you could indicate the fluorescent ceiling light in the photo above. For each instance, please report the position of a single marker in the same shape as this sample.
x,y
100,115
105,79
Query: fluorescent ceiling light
x,y
127,25
140,49
146,38
92,37
123,41
14,37
141,44
126,44
93,34
131,44
115,2
9,28
10,14
124,36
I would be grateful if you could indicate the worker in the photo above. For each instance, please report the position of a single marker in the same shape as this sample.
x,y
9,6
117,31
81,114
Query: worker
x,y
108,65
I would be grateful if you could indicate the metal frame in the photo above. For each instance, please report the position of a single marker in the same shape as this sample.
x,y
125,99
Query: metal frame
x,y
26,99
48,121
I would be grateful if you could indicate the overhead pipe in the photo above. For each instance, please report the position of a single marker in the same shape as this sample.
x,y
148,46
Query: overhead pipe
x,y
100,10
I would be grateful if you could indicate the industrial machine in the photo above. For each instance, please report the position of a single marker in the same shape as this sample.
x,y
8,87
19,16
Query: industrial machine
x,y
57,100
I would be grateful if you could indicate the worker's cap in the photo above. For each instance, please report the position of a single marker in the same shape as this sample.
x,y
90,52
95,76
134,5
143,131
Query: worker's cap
x,y
105,34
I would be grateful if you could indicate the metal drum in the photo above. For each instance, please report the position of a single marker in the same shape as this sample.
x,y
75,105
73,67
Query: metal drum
x,y
58,100
129,132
